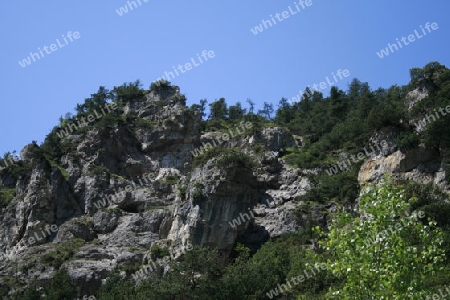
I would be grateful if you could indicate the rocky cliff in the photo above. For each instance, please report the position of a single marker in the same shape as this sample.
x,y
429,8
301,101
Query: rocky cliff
x,y
125,188
120,190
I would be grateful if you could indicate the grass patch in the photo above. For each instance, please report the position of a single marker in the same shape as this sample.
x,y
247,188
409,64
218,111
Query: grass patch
x,y
100,170
171,179
60,168
144,123
6,195
227,157
63,252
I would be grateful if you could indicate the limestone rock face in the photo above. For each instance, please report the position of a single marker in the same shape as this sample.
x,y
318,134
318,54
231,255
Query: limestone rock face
x,y
420,165
123,189
128,187
416,96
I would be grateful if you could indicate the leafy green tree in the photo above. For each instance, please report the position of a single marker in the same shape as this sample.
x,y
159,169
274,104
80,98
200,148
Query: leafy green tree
x,y
252,105
387,252
306,100
159,84
337,106
117,288
266,111
194,277
427,76
218,110
284,113
200,107
127,91
236,112
96,101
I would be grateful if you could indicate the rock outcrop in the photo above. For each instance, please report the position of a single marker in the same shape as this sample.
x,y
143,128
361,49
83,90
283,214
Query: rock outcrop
x,y
131,186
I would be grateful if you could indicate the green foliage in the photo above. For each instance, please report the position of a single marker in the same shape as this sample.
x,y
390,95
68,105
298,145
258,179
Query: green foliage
x,y
157,252
116,288
182,190
14,168
426,77
127,91
430,199
236,112
144,123
307,157
198,193
99,170
258,148
54,147
342,188
200,107
216,125
6,195
386,252
407,141
159,85
61,169
62,253
235,157
218,109
267,111
59,287
386,265
171,179
227,157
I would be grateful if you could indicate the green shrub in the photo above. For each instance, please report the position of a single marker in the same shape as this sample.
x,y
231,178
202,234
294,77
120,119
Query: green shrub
x,y
61,169
235,157
18,169
127,91
99,170
198,194
226,157
171,179
157,252
407,141
144,123
259,148
182,190
6,195
159,85
62,253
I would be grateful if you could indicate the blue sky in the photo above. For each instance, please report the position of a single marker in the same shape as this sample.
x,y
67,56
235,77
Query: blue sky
x,y
147,41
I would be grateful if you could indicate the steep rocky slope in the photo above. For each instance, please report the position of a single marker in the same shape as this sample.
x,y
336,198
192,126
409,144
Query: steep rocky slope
x,y
122,189
133,185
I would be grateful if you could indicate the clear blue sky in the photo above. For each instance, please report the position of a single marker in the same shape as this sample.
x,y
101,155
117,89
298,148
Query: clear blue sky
x,y
147,41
